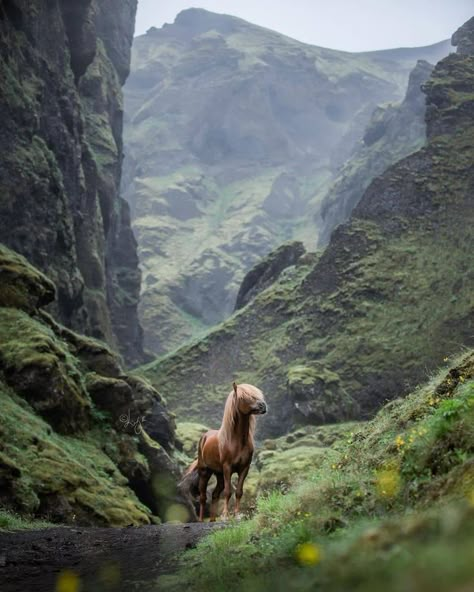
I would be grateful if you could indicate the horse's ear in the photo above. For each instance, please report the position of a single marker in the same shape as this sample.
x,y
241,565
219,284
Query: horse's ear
x,y
235,388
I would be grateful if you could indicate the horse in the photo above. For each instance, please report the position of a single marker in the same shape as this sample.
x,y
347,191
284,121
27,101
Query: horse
x,y
228,450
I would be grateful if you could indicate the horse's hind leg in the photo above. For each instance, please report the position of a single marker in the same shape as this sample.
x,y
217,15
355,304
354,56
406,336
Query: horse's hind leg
x,y
215,495
204,476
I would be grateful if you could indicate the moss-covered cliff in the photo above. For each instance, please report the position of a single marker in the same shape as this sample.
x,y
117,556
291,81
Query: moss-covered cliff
x,y
62,65
388,299
80,441
393,132
233,133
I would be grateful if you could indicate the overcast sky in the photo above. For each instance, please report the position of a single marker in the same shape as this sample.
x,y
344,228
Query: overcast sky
x,y
351,25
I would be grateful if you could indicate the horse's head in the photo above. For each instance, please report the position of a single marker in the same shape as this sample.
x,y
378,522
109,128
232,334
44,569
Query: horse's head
x,y
249,399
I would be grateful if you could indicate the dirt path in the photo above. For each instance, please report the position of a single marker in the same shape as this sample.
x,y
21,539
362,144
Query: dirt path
x,y
104,559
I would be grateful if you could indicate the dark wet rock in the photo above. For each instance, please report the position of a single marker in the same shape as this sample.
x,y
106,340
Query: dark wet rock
x,y
164,479
393,132
463,38
267,271
61,154
22,286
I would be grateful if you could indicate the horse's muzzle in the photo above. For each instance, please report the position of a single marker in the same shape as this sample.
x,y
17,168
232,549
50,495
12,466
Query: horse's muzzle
x,y
261,408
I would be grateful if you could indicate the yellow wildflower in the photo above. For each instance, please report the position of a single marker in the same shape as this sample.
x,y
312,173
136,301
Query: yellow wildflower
x,y
399,441
388,483
308,554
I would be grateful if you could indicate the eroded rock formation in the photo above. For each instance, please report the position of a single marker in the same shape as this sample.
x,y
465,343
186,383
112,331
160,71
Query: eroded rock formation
x,y
62,66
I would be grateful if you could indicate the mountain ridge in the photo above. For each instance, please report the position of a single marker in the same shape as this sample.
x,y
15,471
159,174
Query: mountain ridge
x,y
232,140
212,17
350,331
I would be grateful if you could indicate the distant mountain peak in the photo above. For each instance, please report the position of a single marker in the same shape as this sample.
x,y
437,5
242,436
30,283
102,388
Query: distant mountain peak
x,y
199,21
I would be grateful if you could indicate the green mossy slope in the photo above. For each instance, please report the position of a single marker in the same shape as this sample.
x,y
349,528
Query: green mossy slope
x,y
394,512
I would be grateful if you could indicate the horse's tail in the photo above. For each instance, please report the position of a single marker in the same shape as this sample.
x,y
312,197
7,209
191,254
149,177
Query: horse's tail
x,y
190,480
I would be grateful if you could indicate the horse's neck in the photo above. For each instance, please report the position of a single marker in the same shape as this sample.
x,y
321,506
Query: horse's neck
x,y
242,430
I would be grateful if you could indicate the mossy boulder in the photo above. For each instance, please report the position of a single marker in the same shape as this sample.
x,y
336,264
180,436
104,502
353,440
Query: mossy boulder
x,y
42,370
267,271
96,356
317,395
132,402
189,434
71,422
66,478
21,285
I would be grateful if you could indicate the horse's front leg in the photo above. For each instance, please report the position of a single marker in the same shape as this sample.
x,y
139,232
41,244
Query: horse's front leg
x,y
227,471
240,488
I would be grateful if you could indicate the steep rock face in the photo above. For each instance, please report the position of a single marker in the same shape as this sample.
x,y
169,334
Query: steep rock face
x,y
61,154
233,133
393,132
80,441
268,271
389,298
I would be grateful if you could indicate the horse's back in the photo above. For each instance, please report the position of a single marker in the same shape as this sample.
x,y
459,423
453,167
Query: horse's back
x,y
209,456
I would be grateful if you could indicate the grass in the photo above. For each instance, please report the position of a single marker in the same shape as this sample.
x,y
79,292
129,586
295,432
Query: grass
x,y
11,521
396,511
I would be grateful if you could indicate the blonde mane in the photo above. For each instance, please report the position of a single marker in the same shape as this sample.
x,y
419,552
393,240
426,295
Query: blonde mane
x,y
231,412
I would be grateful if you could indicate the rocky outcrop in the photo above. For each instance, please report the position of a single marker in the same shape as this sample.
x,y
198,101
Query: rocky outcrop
x,y
233,133
268,271
81,441
464,38
387,301
61,154
393,132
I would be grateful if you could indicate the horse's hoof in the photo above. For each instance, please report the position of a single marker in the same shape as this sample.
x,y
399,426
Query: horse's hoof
x,y
239,516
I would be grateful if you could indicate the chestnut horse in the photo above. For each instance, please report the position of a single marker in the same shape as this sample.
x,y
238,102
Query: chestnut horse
x,y
229,449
